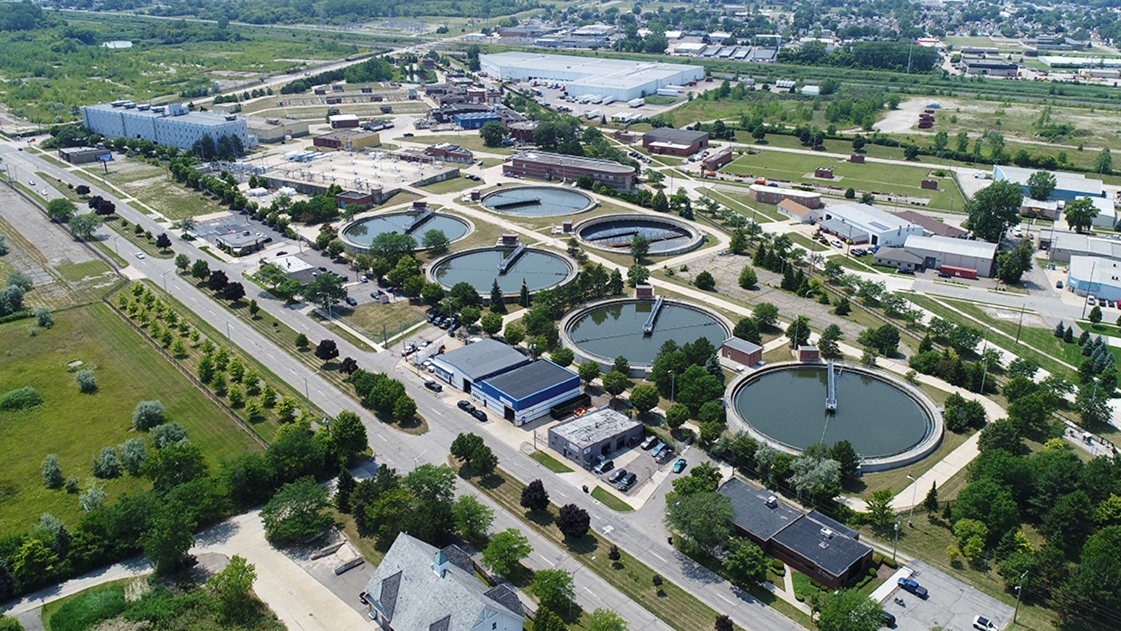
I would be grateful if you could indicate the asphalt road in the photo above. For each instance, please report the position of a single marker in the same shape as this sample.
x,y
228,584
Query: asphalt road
x,y
640,533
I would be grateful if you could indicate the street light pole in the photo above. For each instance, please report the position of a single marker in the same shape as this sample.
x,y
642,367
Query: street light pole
x,y
229,342
1019,592
895,545
1021,324
163,277
671,386
914,490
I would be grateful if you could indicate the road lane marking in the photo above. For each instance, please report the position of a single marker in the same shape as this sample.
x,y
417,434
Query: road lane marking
x,y
726,600
547,560
655,554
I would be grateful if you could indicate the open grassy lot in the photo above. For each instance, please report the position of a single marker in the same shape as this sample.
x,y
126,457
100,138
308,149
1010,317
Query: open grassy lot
x,y
374,319
551,463
609,500
468,139
677,607
743,204
76,426
878,178
450,186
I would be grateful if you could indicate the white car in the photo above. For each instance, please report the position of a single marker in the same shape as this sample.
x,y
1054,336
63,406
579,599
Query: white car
x,y
982,623
139,255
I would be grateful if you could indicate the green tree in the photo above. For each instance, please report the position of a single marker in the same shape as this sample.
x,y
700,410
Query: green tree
x,y
553,588
588,372
1095,315
349,434
1080,213
748,277
703,520
640,246
83,226
615,383
61,210
232,588
880,512
745,564
505,551
491,323
325,291
705,281
472,518
1040,185
766,315
993,209
848,610
168,538
605,620
645,398
298,510
493,133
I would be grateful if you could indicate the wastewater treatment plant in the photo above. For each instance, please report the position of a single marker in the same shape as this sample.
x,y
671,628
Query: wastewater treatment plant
x,y
615,233
358,235
538,201
637,328
508,266
792,406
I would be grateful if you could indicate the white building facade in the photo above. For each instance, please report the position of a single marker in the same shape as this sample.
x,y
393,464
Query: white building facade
x,y
619,78
171,125
882,227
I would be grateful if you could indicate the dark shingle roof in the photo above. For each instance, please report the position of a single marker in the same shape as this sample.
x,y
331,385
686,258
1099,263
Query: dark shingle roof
x,y
675,136
506,597
459,558
751,513
834,554
441,625
524,381
388,597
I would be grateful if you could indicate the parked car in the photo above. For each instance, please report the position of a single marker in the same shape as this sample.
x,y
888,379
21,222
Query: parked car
x,y
1059,284
604,467
433,386
466,406
649,442
657,449
351,301
1090,300
627,482
945,275
912,586
619,474
666,454
479,415
139,255
982,623
408,134
363,279
321,268
889,620
680,465
905,270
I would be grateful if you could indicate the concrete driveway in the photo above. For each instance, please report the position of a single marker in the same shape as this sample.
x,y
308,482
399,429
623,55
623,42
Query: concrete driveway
x,y
951,604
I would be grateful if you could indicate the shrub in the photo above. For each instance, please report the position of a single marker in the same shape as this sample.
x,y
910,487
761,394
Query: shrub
x,y
20,399
89,608
134,452
52,472
87,383
106,465
43,317
168,433
92,499
147,415
72,484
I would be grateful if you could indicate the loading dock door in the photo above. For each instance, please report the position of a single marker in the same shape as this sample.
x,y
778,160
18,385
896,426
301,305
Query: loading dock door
x,y
508,413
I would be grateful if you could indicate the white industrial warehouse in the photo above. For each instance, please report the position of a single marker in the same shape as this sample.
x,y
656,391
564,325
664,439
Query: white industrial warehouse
x,y
619,78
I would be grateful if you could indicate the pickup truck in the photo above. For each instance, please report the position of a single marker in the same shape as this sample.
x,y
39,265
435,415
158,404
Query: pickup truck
x,y
913,587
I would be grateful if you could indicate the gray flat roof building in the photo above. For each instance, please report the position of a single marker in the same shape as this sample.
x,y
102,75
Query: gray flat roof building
x,y
464,366
172,125
619,78
594,435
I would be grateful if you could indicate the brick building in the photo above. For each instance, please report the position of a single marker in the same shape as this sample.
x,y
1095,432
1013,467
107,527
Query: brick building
x,y
674,142
562,168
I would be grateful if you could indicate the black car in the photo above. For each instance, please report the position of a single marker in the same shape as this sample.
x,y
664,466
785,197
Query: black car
x,y
665,455
321,268
627,482
618,475
466,406
889,620
478,414
351,301
904,270
433,386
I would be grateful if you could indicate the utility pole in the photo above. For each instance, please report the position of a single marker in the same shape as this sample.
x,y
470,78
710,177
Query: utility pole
x,y
1021,325
895,545
914,489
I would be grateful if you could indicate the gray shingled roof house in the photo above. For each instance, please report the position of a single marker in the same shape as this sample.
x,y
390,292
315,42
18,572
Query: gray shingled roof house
x,y
419,587
812,543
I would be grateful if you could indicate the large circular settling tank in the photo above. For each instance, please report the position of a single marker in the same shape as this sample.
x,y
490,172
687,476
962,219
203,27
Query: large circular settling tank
x,y
538,201
615,233
787,405
617,328
362,233
481,268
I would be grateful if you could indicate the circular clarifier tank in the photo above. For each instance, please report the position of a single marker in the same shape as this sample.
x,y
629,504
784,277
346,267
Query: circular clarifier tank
x,y
538,201
888,422
607,330
360,234
615,233
481,267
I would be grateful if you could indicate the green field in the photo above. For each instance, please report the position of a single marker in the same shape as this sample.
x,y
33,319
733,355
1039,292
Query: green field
x,y
76,426
467,139
878,178
450,186
550,463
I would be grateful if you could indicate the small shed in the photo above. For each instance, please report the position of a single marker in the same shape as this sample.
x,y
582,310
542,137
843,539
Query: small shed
x,y
856,158
824,173
742,352
808,353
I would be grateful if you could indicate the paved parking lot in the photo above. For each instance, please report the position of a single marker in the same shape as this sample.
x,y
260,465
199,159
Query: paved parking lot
x,y
950,605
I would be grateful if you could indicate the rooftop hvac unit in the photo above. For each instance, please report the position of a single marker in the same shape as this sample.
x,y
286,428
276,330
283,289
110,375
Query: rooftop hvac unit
x,y
827,533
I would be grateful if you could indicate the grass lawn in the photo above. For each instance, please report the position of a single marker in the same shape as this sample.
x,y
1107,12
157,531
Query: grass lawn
x,y
878,178
550,463
333,326
675,606
375,318
806,242
77,271
76,426
848,262
896,479
468,140
449,186
609,500
733,200
173,200
137,241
